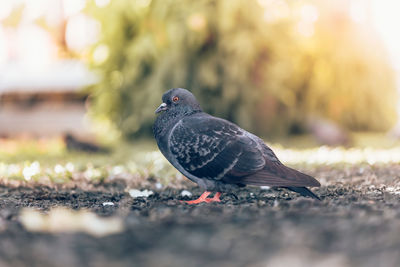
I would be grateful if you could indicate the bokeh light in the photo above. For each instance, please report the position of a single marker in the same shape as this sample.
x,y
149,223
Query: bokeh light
x,y
385,18
35,48
81,32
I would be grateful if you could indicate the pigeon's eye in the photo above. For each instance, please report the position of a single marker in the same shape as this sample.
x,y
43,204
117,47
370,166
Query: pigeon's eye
x,y
175,99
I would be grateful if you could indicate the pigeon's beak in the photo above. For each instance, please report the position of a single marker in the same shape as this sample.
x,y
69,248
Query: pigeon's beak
x,y
162,107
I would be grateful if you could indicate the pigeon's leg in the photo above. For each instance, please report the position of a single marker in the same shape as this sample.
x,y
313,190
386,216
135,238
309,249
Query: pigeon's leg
x,y
215,198
202,198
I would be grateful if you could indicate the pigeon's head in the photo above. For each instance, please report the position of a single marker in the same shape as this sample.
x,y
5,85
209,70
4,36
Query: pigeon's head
x,y
179,99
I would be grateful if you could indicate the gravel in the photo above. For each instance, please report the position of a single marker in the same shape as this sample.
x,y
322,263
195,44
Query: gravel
x,y
357,223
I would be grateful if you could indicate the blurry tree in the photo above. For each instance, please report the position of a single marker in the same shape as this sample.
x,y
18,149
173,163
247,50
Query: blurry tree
x,y
263,64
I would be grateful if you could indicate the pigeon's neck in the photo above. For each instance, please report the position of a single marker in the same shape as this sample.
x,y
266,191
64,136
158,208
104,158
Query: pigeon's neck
x,y
168,119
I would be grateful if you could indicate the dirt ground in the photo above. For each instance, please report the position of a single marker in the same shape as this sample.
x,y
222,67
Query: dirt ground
x,y
357,223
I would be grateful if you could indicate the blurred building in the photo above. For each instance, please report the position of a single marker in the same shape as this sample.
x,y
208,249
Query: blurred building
x,y
44,103
42,44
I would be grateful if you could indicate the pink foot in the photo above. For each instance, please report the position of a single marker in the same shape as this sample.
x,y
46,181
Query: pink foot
x,y
215,198
203,198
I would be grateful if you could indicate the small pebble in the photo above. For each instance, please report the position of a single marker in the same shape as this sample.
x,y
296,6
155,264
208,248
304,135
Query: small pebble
x,y
159,186
186,193
137,193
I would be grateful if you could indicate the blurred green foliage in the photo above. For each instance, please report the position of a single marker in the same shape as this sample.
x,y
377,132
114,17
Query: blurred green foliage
x,y
263,65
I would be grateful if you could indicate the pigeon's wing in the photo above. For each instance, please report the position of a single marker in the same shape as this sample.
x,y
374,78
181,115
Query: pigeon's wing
x,y
212,148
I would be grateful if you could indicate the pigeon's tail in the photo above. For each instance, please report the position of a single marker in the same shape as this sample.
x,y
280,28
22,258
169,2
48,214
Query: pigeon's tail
x,y
304,191
279,175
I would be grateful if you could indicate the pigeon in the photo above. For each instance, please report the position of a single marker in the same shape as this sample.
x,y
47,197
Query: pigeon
x,y
74,144
217,154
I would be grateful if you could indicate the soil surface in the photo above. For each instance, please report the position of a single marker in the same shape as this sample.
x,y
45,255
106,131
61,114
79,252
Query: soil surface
x,y
357,223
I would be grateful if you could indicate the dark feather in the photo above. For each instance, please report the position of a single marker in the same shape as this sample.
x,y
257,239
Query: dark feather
x,y
214,149
304,191
277,174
